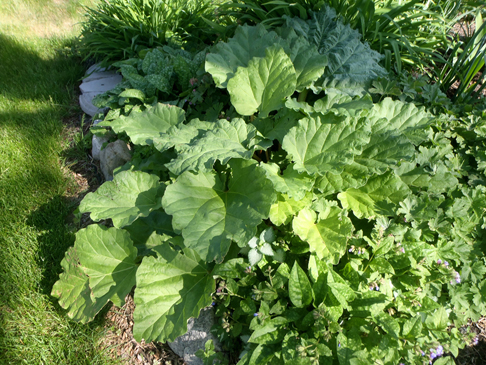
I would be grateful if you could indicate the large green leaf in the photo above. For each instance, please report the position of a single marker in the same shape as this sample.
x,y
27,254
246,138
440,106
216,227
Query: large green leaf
x,y
212,209
130,195
405,117
171,288
353,176
107,256
290,182
247,43
264,84
283,210
379,196
352,65
73,292
386,148
309,64
326,236
144,127
326,143
227,140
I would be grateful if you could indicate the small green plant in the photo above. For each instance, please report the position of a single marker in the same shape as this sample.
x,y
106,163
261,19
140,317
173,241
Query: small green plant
x,y
324,228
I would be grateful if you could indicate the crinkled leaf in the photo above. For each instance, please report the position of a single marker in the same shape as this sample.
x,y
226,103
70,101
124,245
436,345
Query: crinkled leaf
x,y
326,143
130,195
264,84
211,211
385,149
328,235
247,43
405,117
353,176
379,196
309,64
171,288
352,65
107,256
157,221
144,127
73,292
227,140
291,182
282,211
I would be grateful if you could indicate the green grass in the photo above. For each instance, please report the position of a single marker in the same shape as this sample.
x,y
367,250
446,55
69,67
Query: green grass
x,y
37,82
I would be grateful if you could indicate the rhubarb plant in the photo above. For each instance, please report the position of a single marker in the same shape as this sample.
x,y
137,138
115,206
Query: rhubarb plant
x,y
324,228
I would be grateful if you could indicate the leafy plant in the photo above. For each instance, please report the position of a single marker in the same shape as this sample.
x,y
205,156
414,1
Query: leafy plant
x,y
323,227
164,73
118,29
407,33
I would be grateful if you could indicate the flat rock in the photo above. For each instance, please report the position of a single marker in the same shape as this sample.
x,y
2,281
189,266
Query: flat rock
x,y
114,155
86,104
198,332
100,85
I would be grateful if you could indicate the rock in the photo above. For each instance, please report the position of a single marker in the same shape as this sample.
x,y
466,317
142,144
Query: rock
x,y
86,103
100,84
114,155
198,332
98,81
97,143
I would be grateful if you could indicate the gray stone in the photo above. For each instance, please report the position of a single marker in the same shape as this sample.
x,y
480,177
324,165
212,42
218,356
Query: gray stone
x,y
86,103
114,155
97,142
198,332
100,85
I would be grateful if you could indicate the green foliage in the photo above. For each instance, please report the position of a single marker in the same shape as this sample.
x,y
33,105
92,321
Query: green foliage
x,y
465,60
325,228
118,29
165,73
407,33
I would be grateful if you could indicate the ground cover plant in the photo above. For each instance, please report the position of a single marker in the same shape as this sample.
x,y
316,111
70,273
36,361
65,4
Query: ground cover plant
x,y
324,224
37,83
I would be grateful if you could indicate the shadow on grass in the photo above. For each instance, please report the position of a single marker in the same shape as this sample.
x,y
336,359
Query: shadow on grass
x,y
27,75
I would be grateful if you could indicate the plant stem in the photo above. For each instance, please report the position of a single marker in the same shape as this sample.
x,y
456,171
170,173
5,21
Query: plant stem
x,y
303,95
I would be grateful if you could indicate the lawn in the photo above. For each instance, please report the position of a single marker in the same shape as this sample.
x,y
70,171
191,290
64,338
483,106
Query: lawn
x,y
38,79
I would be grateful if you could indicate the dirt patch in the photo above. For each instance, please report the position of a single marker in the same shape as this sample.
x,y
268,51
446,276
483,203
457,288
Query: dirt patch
x,y
122,345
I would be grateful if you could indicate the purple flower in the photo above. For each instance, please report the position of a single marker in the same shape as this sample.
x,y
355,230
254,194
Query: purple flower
x,y
339,344
403,250
255,314
377,288
446,263
422,353
475,341
350,250
440,350
439,261
457,277
213,304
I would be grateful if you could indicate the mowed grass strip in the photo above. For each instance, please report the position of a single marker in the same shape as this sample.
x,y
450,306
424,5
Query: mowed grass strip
x,y
38,77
